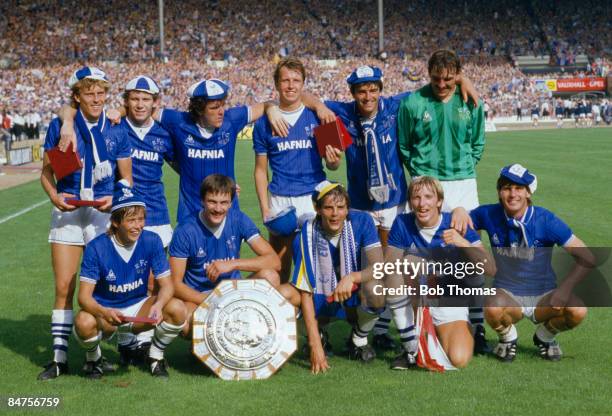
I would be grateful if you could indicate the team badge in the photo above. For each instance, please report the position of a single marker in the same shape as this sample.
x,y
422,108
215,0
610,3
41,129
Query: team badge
x,y
244,330
141,266
426,117
158,145
224,138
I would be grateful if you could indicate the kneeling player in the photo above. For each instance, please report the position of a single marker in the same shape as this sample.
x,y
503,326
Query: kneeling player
x,y
205,248
520,234
114,274
327,256
426,227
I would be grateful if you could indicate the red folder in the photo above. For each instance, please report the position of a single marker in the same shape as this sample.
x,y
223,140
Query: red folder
x,y
82,203
64,163
138,319
334,134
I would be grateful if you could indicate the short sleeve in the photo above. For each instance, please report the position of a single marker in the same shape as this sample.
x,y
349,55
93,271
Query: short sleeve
x,y
259,138
248,229
159,262
53,134
90,268
369,234
169,118
478,216
398,237
169,153
239,117
557,231
124,150
179,246
472,236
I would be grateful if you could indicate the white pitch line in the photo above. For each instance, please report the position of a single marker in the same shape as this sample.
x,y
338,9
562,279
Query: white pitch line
x,y
23,211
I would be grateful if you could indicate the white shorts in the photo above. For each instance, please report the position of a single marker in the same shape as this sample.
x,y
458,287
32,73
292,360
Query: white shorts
x,y
444,315
384,218
528,304
77,227
303,204
133,309
163,231
460,193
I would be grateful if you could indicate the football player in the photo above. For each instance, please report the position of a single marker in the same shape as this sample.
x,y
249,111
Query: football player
x,y
523,236
72,227
205,248
113,285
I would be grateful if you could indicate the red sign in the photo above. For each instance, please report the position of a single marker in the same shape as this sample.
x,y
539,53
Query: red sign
x,y
581,84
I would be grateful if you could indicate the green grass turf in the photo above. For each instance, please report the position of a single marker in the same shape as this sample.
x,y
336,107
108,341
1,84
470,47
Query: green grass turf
x,y
574,170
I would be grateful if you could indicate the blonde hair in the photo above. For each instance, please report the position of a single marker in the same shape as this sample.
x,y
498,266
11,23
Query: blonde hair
x,y
85,84
428,182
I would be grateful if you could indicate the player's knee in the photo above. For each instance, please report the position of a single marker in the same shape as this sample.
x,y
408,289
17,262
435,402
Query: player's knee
x,y
493,315
64,288
175,311
460,357
85,324
271,276
574,315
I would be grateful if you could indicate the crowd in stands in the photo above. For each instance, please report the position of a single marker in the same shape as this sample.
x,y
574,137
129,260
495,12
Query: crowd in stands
x,y
43,41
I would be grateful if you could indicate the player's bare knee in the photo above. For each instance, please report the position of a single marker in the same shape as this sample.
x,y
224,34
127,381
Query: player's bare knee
x,y
574,315
85,324
175,311
271,276
493,315
460,357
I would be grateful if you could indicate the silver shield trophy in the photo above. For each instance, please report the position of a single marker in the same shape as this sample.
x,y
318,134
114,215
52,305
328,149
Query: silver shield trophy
x,y
245,329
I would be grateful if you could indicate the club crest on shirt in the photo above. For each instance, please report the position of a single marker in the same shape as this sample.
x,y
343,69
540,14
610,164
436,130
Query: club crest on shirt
x,y
158,144
110,145
224,138
110,277
464,113
426,117
231,243
141,266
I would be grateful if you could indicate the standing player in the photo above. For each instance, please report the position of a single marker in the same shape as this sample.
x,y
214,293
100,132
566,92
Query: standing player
x,y
559,112
426,232
72,227
205,248
522,236
328,263
442,137
294,160
151,145
535,114
113,284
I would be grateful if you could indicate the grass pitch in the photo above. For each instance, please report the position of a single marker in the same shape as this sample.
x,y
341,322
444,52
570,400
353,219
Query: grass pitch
x,y
574,170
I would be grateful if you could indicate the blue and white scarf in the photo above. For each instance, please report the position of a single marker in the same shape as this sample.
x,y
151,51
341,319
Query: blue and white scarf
x,y
517,234
96,166
380,181
314,263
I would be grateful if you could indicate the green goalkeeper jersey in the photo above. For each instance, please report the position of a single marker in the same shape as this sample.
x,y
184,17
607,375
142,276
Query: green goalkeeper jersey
x,y
443,140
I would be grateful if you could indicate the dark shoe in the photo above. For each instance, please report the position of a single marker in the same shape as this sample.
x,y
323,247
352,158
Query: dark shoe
x,y
94,370
125,356
364,354
548,350
134,356
481,347
384,342
158,368
404,361
506,351
53,370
